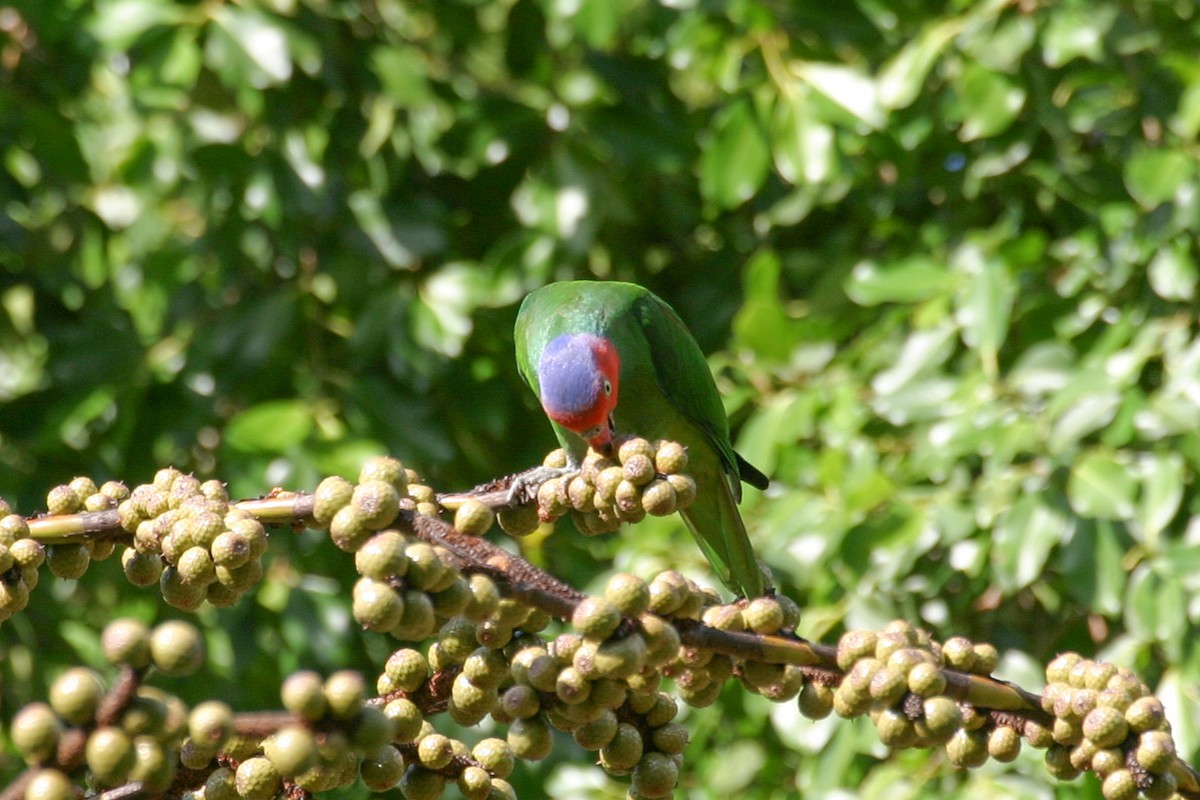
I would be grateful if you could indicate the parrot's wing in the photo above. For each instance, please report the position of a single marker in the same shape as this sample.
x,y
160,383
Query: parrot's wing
x,y
685,379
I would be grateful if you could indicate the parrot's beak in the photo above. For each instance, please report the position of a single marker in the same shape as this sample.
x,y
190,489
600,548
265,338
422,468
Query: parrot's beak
x,y
602,442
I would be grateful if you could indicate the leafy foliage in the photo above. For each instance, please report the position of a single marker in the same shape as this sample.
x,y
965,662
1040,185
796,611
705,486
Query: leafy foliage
x,y
944,254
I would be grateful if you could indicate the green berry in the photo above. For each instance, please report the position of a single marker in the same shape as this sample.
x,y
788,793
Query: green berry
x,y
196,567
344,693
473,518
378,501
370,729
426,569
1038,735
596,618
68,561
655,775
405,717
625,750
376,605
1119,785
230,549
1107,760
303,694
1162,786
763,615
495,756
63,500
382,769
1003,744
667,591
13,527
76,695
530,738
382,556
407,668
421,784
141,569
520,702
386,469
959,654
967,748
1098,674
35,732
854,646
1146,714
1106,727
1058,762
27,553
474,783
1155,751
628,593
210,724
519,521
418,620
670,457
349,528
926,680
638,469
597,733
291,750
49,784
888,685
110,756
176,648
485,667
658,498
453,600
815,700
895,729
943,717
257,779
434,751
151,764
685,490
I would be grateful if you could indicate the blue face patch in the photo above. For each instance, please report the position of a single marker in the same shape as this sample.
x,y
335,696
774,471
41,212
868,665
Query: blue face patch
x,y
571,382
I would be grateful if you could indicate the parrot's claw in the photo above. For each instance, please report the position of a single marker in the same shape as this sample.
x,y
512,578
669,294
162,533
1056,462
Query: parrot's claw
x,y
524,486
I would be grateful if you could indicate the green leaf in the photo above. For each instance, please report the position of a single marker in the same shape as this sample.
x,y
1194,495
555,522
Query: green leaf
x,y
1101,486
908,280
761,324
275,426
1172,272
984,306
735,163
848,88
990,102
903,76
803,147
1023,539
1163,480
1154,174
262,41
1076,32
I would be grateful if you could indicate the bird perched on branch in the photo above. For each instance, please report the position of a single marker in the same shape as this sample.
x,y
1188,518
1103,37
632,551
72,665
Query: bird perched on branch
x,y
607,358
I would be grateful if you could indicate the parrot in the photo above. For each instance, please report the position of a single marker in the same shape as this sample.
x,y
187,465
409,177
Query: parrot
x,y
583,345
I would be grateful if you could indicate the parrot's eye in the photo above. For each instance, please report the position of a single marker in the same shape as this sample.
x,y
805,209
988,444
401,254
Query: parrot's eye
x,y
607,387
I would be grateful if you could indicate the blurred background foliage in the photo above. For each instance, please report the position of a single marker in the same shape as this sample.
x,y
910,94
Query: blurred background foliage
x,y
943,255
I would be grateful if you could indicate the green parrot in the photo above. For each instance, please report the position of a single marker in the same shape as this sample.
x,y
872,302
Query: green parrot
x,y
582,344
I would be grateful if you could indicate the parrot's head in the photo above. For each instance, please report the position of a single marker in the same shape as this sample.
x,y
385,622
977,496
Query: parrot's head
x,y
578,378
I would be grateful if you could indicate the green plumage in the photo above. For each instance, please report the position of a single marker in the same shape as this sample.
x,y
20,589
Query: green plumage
x,y
666,392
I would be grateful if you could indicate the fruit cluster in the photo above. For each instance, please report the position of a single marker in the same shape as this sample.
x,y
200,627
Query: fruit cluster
x,y
191,540
20,557
1106,721
135,739
431,758
898,677
642,478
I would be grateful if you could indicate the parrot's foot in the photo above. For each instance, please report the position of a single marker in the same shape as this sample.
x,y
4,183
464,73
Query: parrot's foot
x,y
524,486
